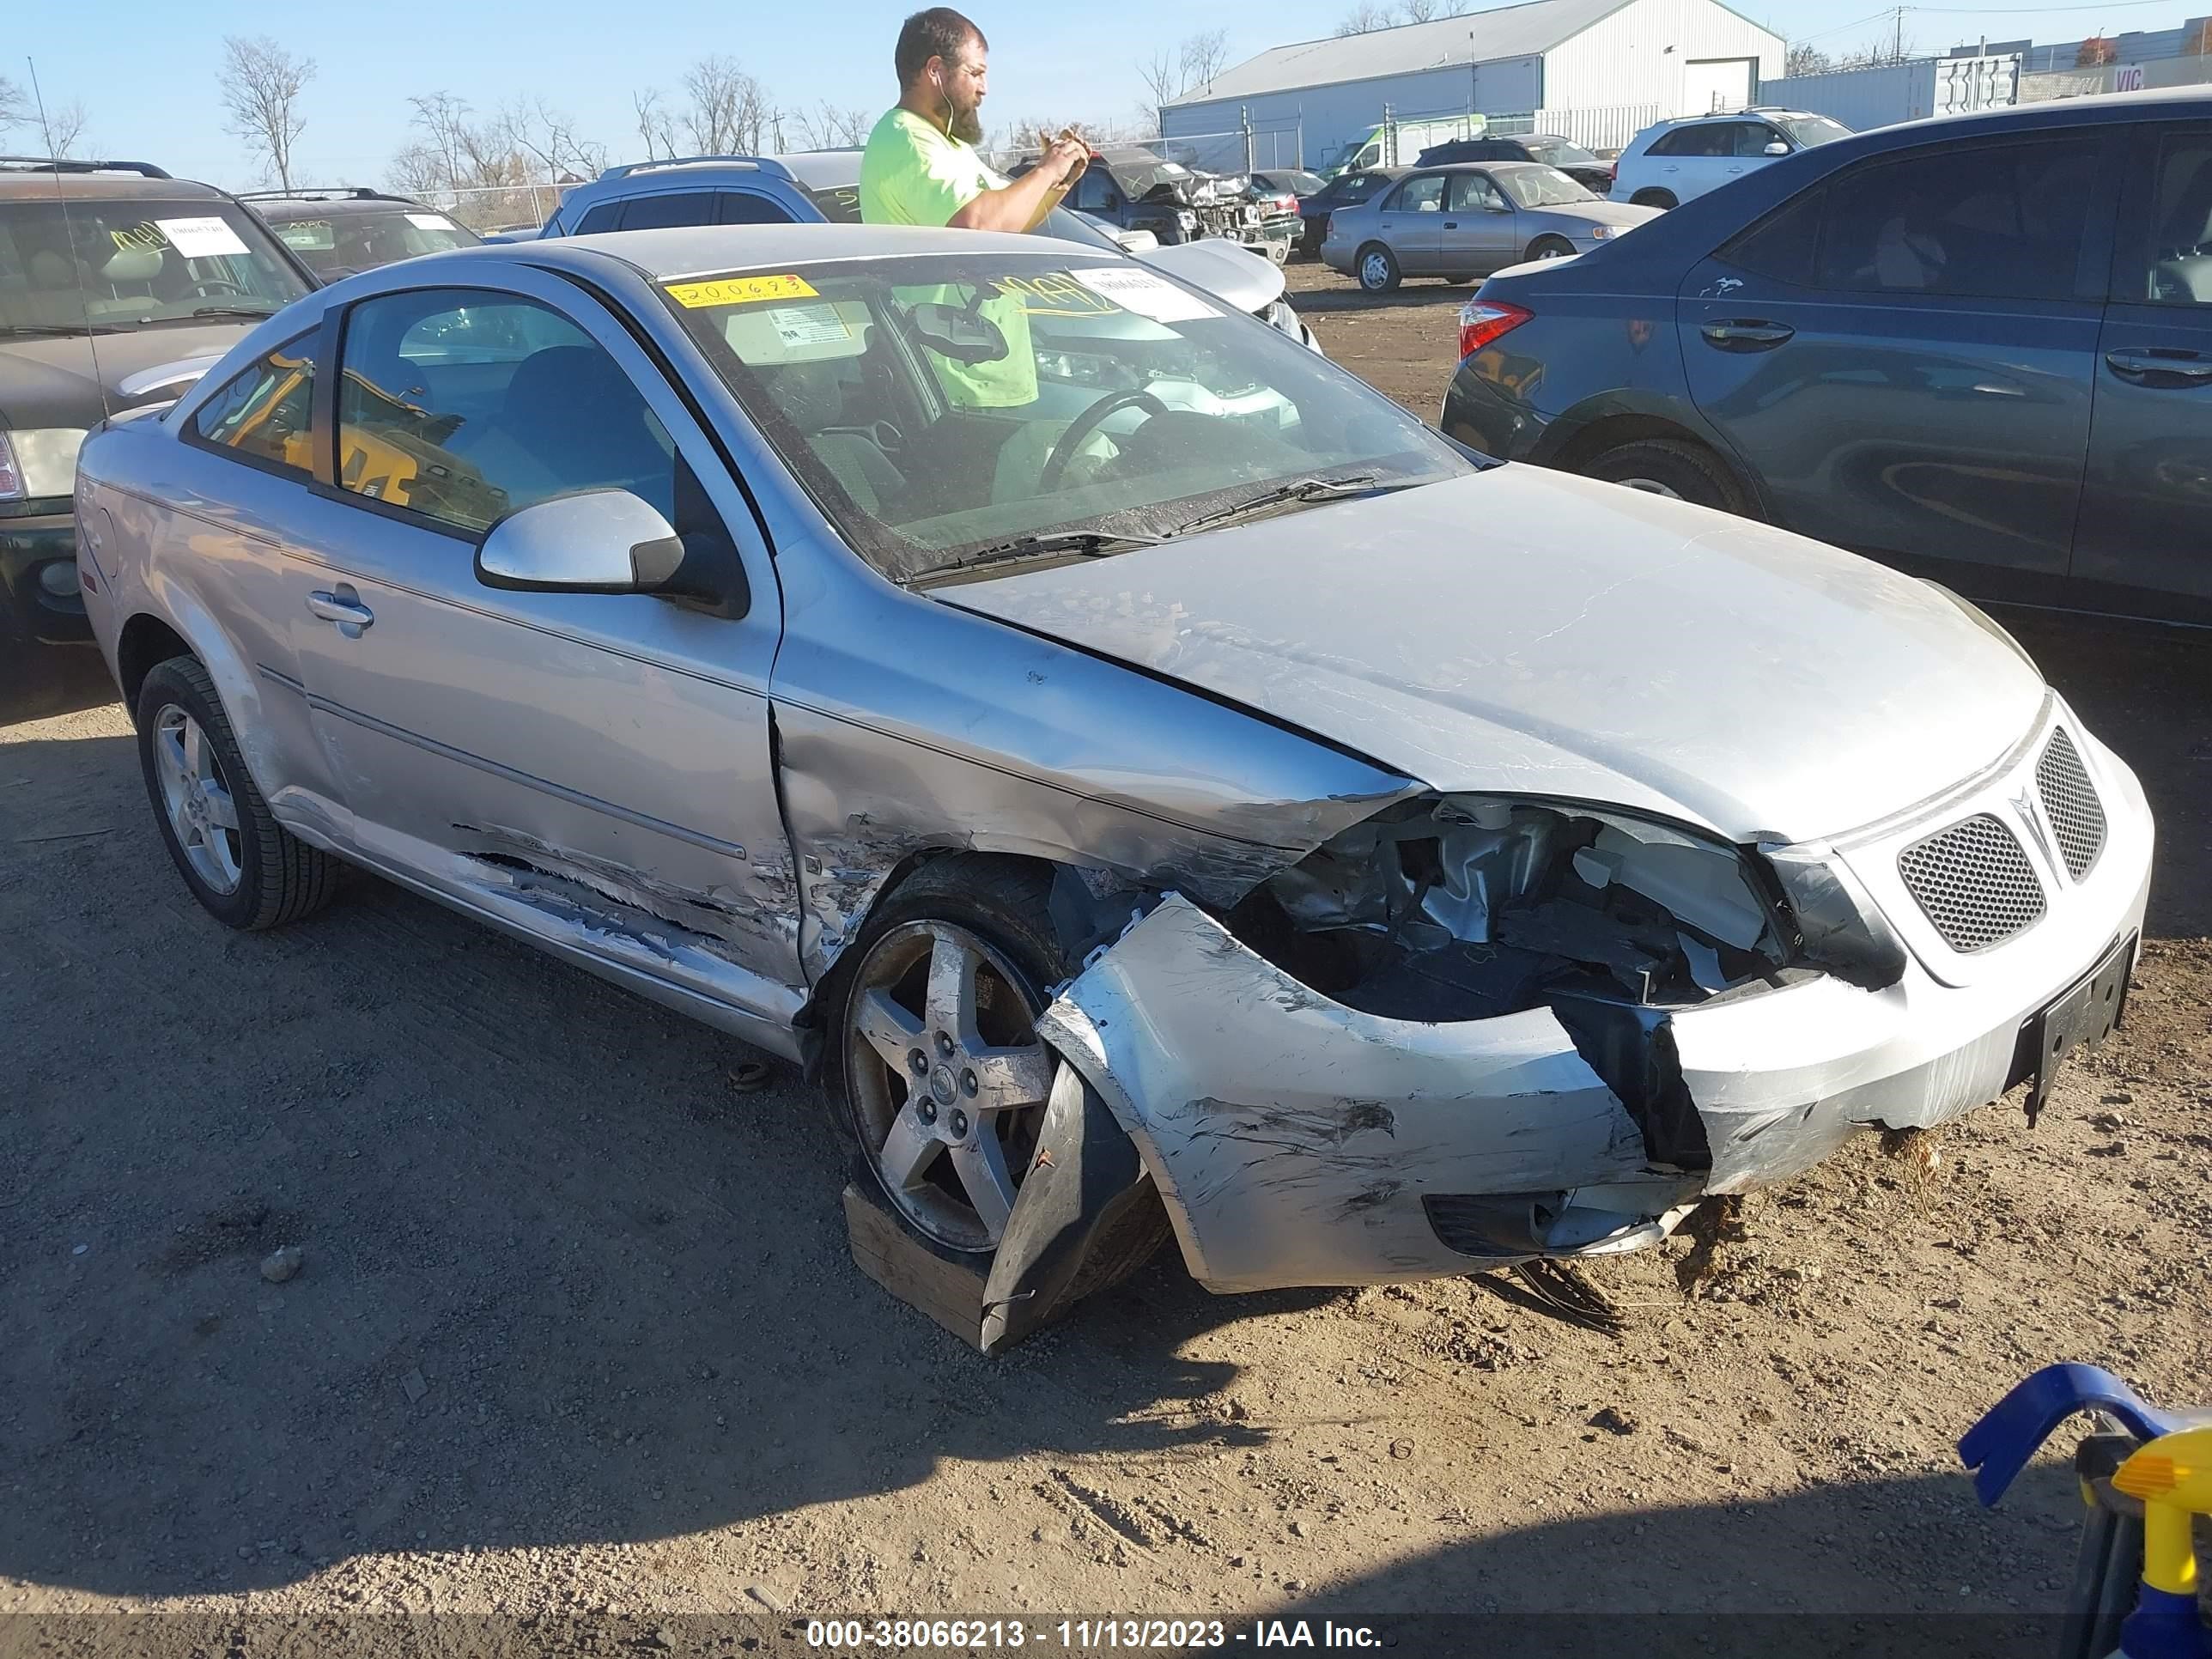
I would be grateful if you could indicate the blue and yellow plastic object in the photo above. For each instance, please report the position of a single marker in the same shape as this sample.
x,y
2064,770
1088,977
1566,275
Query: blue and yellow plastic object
x,y
2170,1474
2172,1478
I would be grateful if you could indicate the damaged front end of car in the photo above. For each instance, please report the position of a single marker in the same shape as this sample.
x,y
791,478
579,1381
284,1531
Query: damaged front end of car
x,y
1446,1038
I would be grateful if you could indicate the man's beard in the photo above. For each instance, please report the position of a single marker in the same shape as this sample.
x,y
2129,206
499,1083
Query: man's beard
x,y
966,124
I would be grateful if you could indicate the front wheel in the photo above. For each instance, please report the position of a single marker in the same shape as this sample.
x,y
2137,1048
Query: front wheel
x,y
1672,467
1377,269
943,1075
1550,247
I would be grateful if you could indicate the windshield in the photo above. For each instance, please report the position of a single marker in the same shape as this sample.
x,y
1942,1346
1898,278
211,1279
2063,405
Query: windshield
x,y
1810,130
940,409
351,240
1559,153
1537,185
110,264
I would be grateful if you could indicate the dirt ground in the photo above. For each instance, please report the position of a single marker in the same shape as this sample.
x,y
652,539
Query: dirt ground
x,y
577,1357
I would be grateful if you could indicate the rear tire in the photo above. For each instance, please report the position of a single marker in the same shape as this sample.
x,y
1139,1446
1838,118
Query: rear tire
x,y
246,870
1662,199
1376,269
1673,467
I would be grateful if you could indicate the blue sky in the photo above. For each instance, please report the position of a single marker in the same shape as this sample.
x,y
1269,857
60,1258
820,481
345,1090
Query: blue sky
x,y
145,69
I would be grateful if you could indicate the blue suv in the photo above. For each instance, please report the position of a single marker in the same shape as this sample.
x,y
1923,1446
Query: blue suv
x,y
1978,347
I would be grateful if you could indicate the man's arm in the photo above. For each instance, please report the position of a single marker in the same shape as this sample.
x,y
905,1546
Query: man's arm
x,y
1022,205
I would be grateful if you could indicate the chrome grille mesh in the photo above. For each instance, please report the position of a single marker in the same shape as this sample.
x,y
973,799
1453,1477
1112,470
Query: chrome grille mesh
x,y
2069,801
1974,883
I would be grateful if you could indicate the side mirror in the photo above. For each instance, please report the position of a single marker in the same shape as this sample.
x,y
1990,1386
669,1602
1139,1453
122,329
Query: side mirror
x,y
1112,200
609,541
1777,147
1494,206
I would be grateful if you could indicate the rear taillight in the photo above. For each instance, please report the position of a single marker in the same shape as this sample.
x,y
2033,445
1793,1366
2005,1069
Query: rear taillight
x,y
1482,321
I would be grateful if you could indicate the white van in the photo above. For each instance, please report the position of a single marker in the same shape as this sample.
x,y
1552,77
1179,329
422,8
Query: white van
x,y
1396,143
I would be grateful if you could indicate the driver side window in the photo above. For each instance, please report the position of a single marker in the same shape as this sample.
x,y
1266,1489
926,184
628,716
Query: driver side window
x,y
463,405
1472,192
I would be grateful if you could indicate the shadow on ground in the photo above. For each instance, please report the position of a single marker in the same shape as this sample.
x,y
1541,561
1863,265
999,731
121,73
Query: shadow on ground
x,y
39,681
1818,1572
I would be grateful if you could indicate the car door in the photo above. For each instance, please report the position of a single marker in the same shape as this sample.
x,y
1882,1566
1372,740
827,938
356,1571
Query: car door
x,y
1686,161
2144,539
1743,145
1901,356
592,767
1411,221
1478,232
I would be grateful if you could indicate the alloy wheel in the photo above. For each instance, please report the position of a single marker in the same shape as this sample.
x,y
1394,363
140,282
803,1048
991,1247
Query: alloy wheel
x,y
947,1078
202,815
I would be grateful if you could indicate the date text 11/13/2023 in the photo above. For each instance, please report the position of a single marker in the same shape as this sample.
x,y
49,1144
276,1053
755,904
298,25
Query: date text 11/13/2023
x,y
1083,1635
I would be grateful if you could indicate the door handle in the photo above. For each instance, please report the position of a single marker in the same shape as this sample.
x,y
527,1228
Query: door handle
x,y
344,608
2184,368
1451,224
1745,336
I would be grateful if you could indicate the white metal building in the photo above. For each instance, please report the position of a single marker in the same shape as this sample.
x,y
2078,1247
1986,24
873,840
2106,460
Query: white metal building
x,y
1579,67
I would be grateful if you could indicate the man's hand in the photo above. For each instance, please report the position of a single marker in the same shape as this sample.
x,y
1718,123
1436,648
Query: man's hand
x,y
1065,158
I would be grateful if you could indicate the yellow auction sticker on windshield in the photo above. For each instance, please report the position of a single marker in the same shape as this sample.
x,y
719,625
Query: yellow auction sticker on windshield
x,y
740,291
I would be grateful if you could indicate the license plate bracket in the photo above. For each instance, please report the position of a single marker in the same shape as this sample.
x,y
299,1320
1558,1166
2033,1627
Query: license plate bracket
x,y
2079,1019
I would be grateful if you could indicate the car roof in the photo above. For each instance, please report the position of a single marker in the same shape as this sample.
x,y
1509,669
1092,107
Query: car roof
x,y
824,169
701,250
276,204
22,177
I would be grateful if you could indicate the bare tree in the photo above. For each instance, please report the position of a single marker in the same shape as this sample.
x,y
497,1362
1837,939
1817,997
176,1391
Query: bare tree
x,y
729,108
14,107
1197,59
828,127
550,137
1364,19
1424,11
64,126
261,88
656,125
1802,59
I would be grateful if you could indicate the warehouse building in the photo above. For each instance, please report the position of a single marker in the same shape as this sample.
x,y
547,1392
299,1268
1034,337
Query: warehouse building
x,y
1595,70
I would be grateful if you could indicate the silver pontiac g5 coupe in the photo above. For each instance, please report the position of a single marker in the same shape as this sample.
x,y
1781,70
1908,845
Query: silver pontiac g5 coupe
x,y
1156,781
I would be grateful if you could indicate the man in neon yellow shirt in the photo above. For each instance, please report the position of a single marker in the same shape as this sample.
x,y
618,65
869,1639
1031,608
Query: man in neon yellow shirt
x,y
921,168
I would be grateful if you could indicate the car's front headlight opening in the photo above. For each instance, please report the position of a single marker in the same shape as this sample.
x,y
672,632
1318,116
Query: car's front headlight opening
x,y
1456,908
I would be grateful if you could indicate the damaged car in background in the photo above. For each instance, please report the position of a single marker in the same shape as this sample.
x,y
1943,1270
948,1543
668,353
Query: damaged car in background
x,y
1155,783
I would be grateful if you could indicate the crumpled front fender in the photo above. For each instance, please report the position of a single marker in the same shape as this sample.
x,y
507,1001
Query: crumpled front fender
x,y
1293,1139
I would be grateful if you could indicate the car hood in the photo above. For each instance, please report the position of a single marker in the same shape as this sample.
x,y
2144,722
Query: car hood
x,y
1596,213
1226,269
54,382
1526,632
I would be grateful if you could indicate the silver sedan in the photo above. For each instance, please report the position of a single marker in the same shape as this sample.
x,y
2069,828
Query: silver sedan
x,y
1465,222
1152,781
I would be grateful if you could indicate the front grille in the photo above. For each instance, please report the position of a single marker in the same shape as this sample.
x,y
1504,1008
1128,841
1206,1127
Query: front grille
x,y
1974,882
2069,801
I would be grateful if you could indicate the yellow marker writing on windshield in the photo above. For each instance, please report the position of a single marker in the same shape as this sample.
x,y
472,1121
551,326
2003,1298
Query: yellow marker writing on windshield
x,y
739,290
